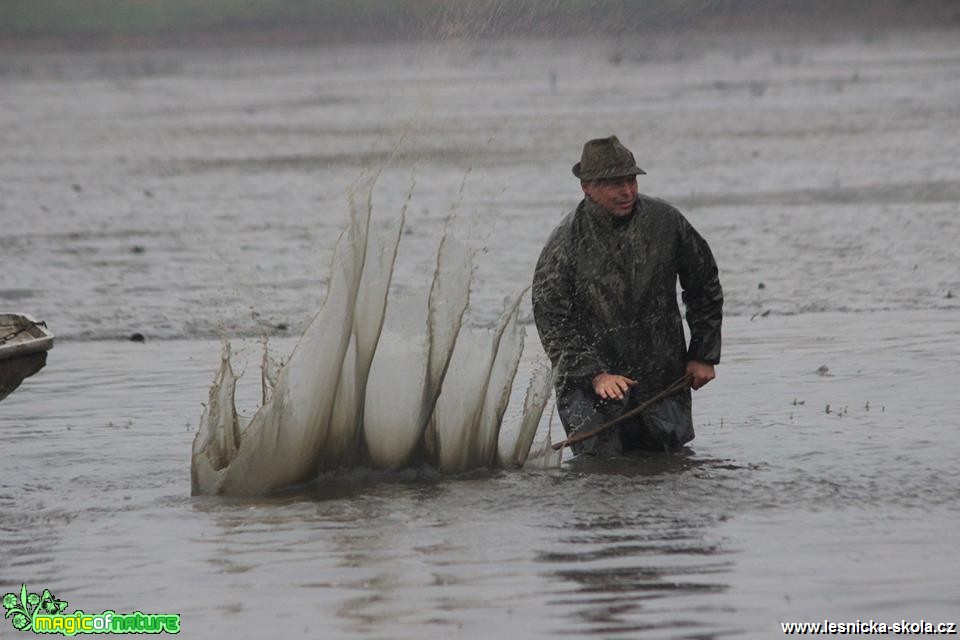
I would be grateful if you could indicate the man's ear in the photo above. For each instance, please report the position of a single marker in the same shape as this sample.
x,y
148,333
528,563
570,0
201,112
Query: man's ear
x,y
585,185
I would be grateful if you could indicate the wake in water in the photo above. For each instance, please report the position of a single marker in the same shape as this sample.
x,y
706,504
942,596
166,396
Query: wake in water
x,y
372,385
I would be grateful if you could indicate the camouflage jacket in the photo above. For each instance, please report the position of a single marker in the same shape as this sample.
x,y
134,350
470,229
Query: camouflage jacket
x,y
605,296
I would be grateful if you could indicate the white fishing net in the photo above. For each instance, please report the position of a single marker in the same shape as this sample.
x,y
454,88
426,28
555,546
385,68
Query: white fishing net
x,y
372,385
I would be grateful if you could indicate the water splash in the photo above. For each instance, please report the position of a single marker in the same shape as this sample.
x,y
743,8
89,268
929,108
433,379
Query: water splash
x,y
372,385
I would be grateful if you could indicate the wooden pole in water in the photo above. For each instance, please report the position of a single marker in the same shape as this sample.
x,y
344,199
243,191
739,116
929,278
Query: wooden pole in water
x,y
678,385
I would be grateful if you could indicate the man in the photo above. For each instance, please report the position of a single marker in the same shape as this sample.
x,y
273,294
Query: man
x,y
605,304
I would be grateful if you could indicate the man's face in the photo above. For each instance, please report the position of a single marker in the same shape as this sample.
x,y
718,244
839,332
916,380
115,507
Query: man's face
x,y
616,195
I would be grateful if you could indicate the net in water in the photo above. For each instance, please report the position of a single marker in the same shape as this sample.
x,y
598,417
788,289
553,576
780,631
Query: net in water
x,y
372,383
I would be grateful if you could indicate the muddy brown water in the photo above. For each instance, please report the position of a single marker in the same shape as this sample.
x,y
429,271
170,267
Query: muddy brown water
x,y
200,196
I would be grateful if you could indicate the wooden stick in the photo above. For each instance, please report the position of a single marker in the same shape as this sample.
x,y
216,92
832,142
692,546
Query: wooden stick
x,y
679,385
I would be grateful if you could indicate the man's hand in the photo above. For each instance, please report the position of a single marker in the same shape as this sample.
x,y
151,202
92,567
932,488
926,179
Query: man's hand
x,y
702,372
610,386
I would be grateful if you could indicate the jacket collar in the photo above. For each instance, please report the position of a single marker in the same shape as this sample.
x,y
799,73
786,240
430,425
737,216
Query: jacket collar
x,y
606,220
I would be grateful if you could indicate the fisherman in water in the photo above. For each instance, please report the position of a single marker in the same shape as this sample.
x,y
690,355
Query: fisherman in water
x,y
605,304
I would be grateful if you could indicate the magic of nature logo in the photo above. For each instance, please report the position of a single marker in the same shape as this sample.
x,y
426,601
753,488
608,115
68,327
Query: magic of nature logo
x,y
44,613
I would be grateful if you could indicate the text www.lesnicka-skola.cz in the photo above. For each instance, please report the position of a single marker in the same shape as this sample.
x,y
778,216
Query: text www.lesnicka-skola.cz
x,y
869,627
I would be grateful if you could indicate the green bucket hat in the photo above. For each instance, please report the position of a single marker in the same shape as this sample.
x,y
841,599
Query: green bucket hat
x,y
605,158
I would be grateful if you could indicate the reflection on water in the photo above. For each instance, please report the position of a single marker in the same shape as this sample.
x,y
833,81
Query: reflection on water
x,y
397,547
612,569
621,574
640,464
598,552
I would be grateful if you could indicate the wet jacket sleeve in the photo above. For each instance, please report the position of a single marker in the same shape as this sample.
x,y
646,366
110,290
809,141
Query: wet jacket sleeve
x,y
554,312
702,294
